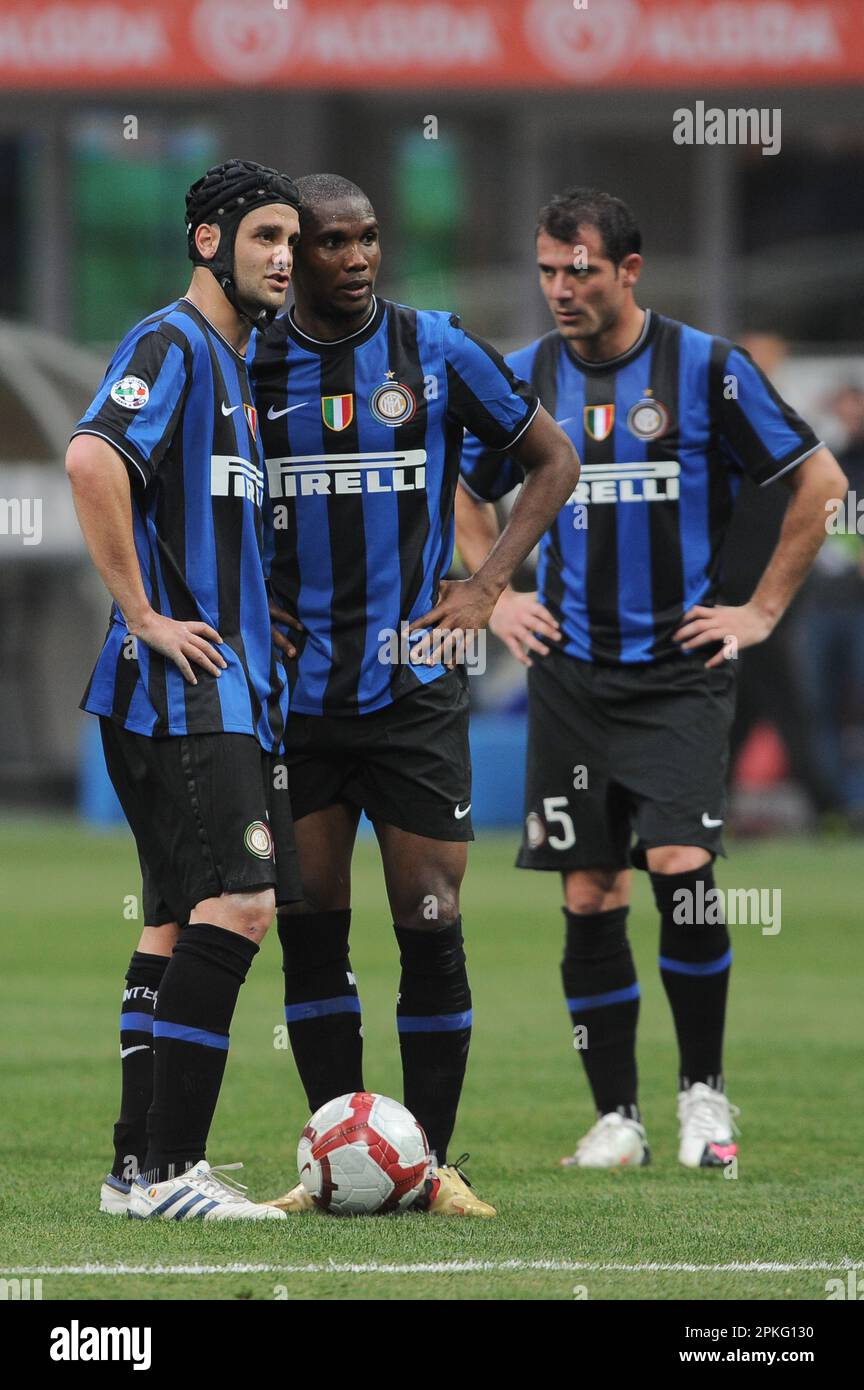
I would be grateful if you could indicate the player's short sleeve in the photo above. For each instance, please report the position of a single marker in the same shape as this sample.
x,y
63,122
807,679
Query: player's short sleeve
x,y
487,473
759,432
138,406
483,394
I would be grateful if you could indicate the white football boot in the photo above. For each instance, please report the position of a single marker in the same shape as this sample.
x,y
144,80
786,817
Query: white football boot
x,y
114,1197
614,1142
200,1194
707,1127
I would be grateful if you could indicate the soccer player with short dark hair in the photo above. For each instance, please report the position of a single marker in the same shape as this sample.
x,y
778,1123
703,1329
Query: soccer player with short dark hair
x,y
628,723
168,480
363,404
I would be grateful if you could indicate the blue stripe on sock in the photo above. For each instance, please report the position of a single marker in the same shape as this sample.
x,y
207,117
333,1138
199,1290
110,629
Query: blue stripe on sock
x,y
138,1023
701,967
434,1023
318,1008
599,1001
162,1029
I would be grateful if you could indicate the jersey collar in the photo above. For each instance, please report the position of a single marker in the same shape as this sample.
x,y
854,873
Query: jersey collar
x,y
352,340
611,364
213,329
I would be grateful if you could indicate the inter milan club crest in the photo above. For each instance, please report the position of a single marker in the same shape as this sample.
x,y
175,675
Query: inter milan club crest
x,y
258,840
648,419
338,411
251,419
599,420
392,403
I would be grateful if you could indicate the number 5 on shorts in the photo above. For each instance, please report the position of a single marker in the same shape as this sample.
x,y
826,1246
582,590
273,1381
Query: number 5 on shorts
x,y
553,814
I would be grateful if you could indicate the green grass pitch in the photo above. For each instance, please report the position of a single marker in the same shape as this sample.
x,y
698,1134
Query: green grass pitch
x,y
792,1064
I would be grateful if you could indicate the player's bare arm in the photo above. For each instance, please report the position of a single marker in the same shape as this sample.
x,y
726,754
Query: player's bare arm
x,y
813,485
101,492
519,620
552,471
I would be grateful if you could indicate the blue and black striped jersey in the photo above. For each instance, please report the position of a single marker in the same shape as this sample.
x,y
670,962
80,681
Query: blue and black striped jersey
x,y
665,433
362,439
176,404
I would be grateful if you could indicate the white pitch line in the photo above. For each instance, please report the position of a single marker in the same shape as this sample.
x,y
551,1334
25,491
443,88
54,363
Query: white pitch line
x,y
453,1267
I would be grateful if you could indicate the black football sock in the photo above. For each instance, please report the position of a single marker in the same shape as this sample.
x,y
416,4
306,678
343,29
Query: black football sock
x,y
695,960
433,1016
602,993
193,1014
322,1008
136,1062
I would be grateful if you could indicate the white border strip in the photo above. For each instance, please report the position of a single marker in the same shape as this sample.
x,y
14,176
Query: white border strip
x,y
453,1267
794,464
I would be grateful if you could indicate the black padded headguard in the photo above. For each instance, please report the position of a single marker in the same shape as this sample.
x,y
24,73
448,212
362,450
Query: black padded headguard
x,y
223,196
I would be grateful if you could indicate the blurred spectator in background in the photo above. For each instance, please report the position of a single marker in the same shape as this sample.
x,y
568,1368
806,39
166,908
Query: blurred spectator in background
x,y
830,633
769,679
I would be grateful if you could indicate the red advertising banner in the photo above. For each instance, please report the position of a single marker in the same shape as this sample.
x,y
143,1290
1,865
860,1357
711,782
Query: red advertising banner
x,y
183,44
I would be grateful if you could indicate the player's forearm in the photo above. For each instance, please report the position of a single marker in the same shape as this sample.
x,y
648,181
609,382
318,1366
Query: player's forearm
x,y
803,531
477,529
101,493
547,487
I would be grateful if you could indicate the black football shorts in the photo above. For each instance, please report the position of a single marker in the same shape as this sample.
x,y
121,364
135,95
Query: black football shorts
x,y
206,811
407,765
622,759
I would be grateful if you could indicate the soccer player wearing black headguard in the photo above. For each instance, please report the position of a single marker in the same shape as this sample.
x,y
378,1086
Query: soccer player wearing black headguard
x,y
168,480
628,723
362,405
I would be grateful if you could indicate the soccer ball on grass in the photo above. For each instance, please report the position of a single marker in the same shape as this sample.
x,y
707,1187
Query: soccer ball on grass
x,y
363,1153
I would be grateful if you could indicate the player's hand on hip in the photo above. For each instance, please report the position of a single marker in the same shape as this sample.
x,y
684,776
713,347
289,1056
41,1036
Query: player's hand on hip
x,y
186,644
281,639
519,621
464,606
736,628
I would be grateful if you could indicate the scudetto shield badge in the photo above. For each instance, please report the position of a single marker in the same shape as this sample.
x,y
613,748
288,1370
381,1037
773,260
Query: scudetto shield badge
x,y
599,420
338,411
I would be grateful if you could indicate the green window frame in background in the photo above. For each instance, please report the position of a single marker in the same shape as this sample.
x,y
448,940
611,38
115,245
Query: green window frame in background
x,y
431,211
127,199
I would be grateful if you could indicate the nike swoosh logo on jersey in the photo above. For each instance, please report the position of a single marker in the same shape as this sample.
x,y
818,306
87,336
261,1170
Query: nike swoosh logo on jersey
x,y
274,414
229,409
142,1047
459,814
708,823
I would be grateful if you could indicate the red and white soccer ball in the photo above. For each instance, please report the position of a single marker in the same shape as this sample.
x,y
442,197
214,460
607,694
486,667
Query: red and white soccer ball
x,y
363,1153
